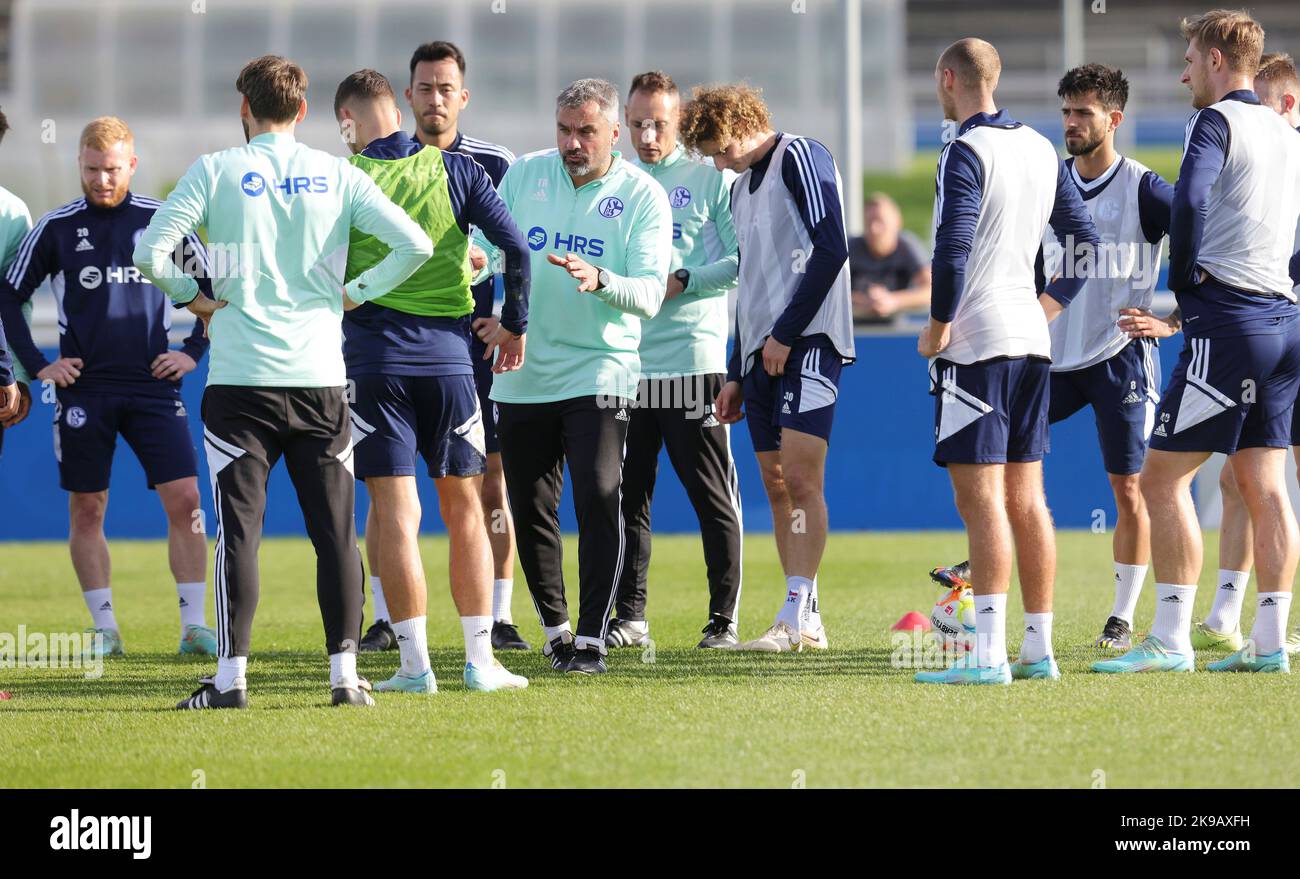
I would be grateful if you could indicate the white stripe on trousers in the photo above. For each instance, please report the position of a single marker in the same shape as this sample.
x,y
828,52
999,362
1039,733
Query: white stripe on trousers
x,y
220,594
734,483
622,546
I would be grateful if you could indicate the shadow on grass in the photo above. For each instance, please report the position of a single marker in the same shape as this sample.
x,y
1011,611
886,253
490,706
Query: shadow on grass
x,y
168,678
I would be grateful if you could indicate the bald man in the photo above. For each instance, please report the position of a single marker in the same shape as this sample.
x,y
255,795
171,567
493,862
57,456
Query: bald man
x,y
999,186
889,269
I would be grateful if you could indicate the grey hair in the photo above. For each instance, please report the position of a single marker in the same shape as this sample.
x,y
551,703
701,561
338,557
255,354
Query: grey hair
x,y
584,91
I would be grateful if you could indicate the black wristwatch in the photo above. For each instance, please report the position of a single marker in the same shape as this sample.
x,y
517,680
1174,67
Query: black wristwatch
x,y
683,276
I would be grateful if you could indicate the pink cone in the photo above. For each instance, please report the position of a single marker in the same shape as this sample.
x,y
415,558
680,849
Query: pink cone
x,y
912,621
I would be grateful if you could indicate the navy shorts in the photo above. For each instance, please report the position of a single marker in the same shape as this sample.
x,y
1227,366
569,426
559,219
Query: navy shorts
x,y
992,412
86,425
1123,392
1231,393
397,417
802,399
483,381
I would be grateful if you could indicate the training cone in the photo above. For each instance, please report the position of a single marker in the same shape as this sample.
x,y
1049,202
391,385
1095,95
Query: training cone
x,y
912,621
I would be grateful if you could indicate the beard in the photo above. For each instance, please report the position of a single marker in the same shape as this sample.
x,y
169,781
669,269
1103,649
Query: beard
x,y
571,164
1083,148
432,126
113,201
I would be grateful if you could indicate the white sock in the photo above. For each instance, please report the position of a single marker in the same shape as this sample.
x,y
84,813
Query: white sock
x,y
811,620
230,672
381,606
1225,615
192,604
501,592
1269,631
586,642
343,670
413,645
560,631
1173,624
478,640
1038,637
991,630
100,604
797,590
1128,585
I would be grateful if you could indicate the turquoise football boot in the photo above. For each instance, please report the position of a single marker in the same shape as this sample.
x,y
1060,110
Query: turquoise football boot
x,y
200,640
494,677
1244,660
1150,655
965,672
103,642
1043,670
400,683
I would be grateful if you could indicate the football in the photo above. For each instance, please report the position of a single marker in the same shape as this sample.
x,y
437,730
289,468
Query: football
x,y
953,616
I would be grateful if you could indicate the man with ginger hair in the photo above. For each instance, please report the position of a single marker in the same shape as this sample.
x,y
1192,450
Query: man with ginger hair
x,y
794,329
115,375
1231,237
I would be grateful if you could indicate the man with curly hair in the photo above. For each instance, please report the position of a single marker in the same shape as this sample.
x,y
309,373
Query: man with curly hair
x,y
794,328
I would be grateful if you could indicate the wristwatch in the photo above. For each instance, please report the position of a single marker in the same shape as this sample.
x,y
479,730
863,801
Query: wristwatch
x,y
683,276
602,278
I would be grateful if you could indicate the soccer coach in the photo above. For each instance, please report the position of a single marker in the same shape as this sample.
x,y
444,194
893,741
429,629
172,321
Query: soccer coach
x,y
276,386
600,232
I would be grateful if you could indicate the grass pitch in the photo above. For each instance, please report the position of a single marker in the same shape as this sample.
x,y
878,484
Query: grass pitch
x,y
689,718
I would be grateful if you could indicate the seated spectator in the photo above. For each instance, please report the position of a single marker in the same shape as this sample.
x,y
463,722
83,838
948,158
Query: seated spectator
x,y
889,269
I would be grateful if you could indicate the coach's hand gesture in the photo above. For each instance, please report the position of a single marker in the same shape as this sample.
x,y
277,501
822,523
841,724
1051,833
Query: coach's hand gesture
x,y
24,406
579,269
63,372
727,407
934,338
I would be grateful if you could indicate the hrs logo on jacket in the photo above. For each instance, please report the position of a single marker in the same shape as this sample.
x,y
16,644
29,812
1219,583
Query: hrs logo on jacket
x,y
538,238
255,184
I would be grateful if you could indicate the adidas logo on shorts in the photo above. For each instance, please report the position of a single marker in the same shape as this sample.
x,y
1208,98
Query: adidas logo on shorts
x,y
1160,430
1133,398
621,416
